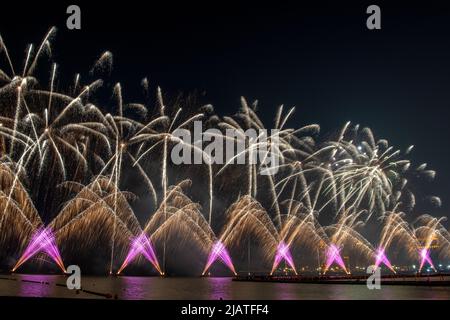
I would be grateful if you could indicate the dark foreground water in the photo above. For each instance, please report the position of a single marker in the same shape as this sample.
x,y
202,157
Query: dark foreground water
x,y
203,288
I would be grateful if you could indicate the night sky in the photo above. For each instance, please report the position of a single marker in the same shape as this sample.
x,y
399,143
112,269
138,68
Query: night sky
x,y
320,58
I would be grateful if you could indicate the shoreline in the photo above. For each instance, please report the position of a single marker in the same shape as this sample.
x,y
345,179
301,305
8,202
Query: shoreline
x,y
441,280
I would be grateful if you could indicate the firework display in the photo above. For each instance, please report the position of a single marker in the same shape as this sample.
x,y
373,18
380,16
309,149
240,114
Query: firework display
x,y
72,168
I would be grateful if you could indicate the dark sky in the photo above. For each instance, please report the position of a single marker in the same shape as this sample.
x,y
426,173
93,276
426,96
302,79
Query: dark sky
x,y
318,57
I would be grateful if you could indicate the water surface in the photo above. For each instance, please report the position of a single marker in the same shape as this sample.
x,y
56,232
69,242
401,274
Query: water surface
x,y
203,288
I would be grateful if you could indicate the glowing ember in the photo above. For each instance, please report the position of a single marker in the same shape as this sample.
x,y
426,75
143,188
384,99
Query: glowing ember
x,y
141,245
219,252
334,256
425,255
42,240
283,253
381,258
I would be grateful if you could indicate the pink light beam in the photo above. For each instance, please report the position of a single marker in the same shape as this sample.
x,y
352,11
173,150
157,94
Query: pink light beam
x,y
283,253
43,240
219,252
425,256
334,256
381,258
141,245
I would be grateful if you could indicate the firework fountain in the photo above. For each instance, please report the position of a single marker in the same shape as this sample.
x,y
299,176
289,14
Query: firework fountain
x,y
381,258
68,172
141,245
334,256
42,240
283,253
425,258
219,252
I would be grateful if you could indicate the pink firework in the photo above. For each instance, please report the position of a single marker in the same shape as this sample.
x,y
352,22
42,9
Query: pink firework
x,y
334,256
141,245
42,240
219,252
283,253
381,258
425,256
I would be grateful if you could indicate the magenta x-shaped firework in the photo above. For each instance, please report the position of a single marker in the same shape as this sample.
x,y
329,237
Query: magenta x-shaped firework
x,y
141,245
425,256
219,252
381,258
283,253
42,240
334,255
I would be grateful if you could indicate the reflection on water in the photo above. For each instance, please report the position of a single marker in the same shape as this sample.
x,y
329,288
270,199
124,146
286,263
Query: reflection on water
x,y
138,288
219,288
35,285
175,288
133,287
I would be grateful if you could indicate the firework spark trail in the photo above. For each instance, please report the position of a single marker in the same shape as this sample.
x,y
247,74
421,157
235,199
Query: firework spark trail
x,y
141,245
334,256
369,172
219,251
148,134
46,132
42,240
93,208
275,145
381,258
344,233
16,207
247,217
425,258
179,217
395,228
430,229
283,253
